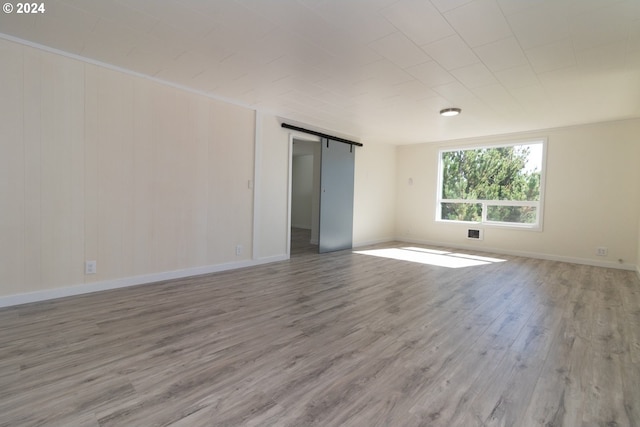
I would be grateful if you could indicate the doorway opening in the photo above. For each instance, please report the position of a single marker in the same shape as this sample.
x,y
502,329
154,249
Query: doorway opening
x,y
305,197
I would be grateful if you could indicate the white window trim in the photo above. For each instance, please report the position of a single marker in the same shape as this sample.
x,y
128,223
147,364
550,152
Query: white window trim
x,y
539,205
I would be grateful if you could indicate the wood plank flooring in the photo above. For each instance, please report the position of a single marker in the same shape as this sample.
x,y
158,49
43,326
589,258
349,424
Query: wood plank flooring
x,y
301,242
341,339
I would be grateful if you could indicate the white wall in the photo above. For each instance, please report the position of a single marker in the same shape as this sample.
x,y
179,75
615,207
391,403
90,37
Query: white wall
x,y
592,197
99,165
273,180
638,191
150,181
374,207
638,259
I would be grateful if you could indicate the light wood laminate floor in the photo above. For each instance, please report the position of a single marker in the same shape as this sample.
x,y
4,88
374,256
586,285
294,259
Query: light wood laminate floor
x,y
341,339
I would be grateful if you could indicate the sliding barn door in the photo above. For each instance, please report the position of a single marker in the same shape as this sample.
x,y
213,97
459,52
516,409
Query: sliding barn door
x,y
336,196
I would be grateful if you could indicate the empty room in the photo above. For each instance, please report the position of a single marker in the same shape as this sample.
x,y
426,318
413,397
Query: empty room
x,y
320,213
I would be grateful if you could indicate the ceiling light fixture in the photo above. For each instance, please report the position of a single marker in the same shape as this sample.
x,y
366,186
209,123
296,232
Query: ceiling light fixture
x,y
449,112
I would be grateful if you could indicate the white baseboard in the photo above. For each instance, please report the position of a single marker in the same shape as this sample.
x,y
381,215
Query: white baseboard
x,y
29,297
270,259
373,242
537,255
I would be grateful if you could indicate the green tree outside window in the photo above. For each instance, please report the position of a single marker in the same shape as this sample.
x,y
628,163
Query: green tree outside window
x,y
508,173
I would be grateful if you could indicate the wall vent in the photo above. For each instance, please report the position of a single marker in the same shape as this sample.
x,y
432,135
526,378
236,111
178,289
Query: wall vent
x,y
475,234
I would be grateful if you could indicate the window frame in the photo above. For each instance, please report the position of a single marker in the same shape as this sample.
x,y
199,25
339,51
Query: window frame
x,y
539,205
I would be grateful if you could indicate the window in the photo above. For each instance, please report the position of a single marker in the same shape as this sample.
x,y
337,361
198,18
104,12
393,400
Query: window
x,y
494,185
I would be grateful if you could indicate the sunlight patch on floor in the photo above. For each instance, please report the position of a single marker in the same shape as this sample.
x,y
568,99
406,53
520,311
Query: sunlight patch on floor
x,y
432,257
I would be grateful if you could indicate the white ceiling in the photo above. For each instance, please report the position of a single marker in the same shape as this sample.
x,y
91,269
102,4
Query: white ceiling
x,y
376,70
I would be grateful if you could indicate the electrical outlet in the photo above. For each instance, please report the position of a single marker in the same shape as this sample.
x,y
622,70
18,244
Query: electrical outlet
x,y
90,267
238,250
602,251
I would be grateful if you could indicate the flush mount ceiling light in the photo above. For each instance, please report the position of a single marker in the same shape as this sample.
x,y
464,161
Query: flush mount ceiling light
x,y
449,112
